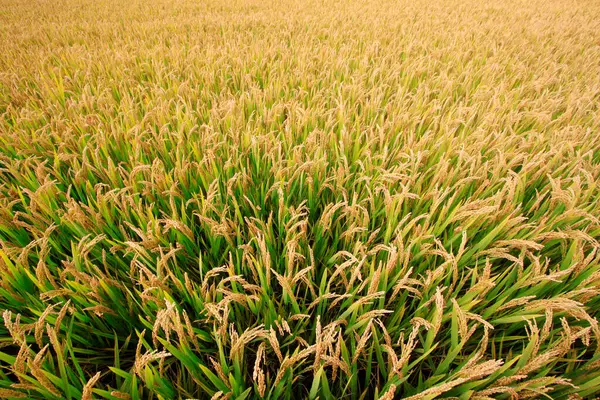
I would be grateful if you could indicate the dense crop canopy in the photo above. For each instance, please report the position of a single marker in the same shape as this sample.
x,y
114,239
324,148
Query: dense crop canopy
x,y
299,199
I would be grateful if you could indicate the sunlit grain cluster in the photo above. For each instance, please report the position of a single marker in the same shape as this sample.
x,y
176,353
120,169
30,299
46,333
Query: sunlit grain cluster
x,y
299,199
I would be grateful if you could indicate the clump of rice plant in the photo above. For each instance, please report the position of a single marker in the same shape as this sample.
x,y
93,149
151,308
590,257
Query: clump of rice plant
x,y
299,199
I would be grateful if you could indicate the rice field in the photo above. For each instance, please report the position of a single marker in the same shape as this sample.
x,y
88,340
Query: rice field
x,y
206,199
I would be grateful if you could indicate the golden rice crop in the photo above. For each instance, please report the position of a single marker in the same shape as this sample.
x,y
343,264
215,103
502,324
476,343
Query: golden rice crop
x,y
299,199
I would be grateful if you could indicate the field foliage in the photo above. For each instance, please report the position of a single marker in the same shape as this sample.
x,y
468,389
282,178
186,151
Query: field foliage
x,y
299,199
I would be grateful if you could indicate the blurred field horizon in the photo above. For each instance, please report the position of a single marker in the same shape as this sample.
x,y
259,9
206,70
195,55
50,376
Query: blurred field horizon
x,y
299,199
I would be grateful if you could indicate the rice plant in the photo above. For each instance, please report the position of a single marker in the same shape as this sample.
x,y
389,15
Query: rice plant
x,y
299,199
